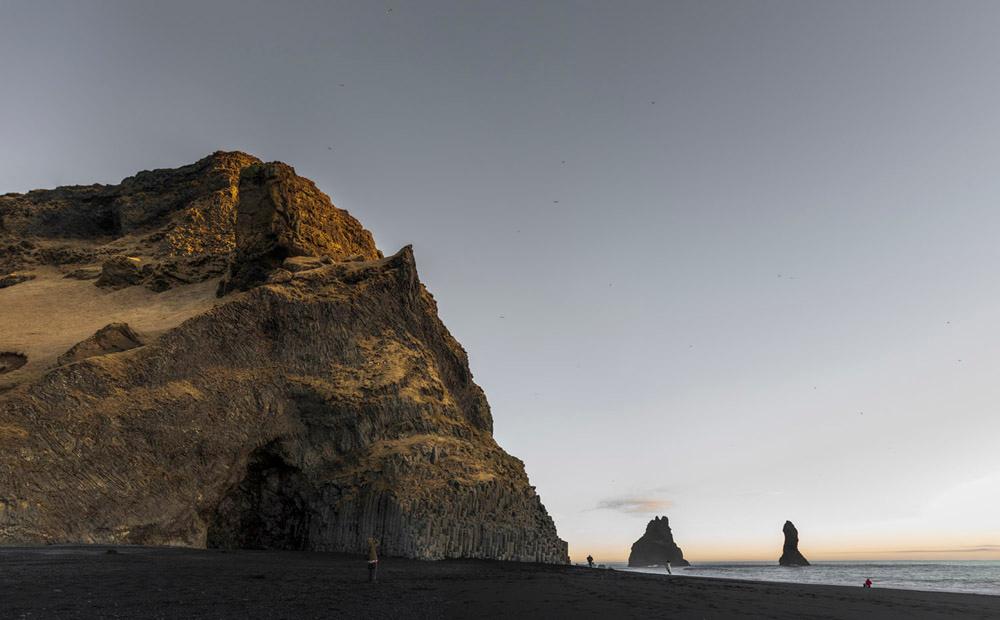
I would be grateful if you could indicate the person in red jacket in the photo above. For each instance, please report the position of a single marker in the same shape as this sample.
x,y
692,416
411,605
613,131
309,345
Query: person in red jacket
x,y
868,582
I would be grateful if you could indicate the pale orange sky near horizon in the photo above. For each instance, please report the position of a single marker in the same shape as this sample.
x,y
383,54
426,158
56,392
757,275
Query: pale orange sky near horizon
x,y
814,552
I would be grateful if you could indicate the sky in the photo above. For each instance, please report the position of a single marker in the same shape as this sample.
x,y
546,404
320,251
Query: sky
x,y
729,262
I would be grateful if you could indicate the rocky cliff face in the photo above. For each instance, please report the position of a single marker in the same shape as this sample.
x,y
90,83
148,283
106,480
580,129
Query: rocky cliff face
x,y
229,361
657,546
790,555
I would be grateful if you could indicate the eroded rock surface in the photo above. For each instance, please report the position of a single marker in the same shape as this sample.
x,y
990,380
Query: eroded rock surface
x,y
15,278
656,547
790,555
178,223
113,338
319,402
282,215
11,361
120,271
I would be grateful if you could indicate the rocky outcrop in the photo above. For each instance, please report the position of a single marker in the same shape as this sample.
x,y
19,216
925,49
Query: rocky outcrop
x,y
177,223
657,547
790,555
11,361
283,215
320,401
84,273
15,278
120,271
112,338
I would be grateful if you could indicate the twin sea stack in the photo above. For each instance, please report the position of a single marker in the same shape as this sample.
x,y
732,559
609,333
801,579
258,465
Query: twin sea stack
x,y
215,355
657,546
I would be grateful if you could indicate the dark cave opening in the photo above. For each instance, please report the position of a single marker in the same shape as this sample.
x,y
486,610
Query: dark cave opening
x,y
267,509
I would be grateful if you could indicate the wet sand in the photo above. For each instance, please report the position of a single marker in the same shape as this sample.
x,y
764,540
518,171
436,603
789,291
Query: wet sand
x,y
138,582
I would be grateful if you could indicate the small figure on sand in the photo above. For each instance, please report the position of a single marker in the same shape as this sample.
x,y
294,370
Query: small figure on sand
x,y
590,561
868,582
666,565
372,559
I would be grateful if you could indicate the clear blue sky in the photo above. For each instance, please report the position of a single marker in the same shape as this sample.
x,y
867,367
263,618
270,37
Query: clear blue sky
x,y
734,262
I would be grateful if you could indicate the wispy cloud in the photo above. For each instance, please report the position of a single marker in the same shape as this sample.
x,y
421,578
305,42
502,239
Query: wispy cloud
x,y
970,549
634,505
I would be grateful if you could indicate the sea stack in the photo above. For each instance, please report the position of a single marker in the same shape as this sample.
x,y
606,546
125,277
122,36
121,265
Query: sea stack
x,y
216,355
790,555
657,546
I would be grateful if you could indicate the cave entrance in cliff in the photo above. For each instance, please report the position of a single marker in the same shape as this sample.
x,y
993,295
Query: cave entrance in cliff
x,y
267,509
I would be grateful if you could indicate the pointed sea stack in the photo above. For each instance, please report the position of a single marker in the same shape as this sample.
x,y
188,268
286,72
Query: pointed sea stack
x,y
790,555
657,546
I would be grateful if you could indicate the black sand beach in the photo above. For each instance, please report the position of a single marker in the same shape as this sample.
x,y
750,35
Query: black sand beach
x,y
136,582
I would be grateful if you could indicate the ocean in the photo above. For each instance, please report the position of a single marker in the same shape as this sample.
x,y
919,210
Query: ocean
x,y
969,576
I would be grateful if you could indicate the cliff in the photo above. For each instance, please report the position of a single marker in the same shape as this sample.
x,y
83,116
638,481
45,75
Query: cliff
x,y
217,356
790,554
657,546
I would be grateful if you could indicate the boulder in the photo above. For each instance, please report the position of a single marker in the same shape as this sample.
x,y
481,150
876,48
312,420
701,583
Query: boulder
x,y
11,361
120,271
112,338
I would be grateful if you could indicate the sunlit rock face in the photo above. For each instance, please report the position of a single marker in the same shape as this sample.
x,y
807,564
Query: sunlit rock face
x,y
790,555
656,547
217,356
283,215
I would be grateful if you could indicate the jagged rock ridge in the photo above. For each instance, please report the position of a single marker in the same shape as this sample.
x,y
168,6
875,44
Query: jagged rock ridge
x,y
176,224
657,546
317,402
790,554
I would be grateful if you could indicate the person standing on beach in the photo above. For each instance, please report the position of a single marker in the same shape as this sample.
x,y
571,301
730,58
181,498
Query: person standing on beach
x,y
868,582
372,560
666,565
590,561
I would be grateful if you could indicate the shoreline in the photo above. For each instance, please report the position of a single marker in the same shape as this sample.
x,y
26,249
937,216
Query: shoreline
x,y
172,582
738,581
881,583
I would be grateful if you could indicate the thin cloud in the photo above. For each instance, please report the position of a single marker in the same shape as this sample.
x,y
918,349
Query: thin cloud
x,y
975,549
634,505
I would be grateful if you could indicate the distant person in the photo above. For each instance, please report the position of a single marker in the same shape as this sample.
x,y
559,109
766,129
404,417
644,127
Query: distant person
x,y
372,559
868,582
666,565
590,561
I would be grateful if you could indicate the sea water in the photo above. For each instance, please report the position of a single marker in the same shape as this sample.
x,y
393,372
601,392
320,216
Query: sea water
x,y
970,576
